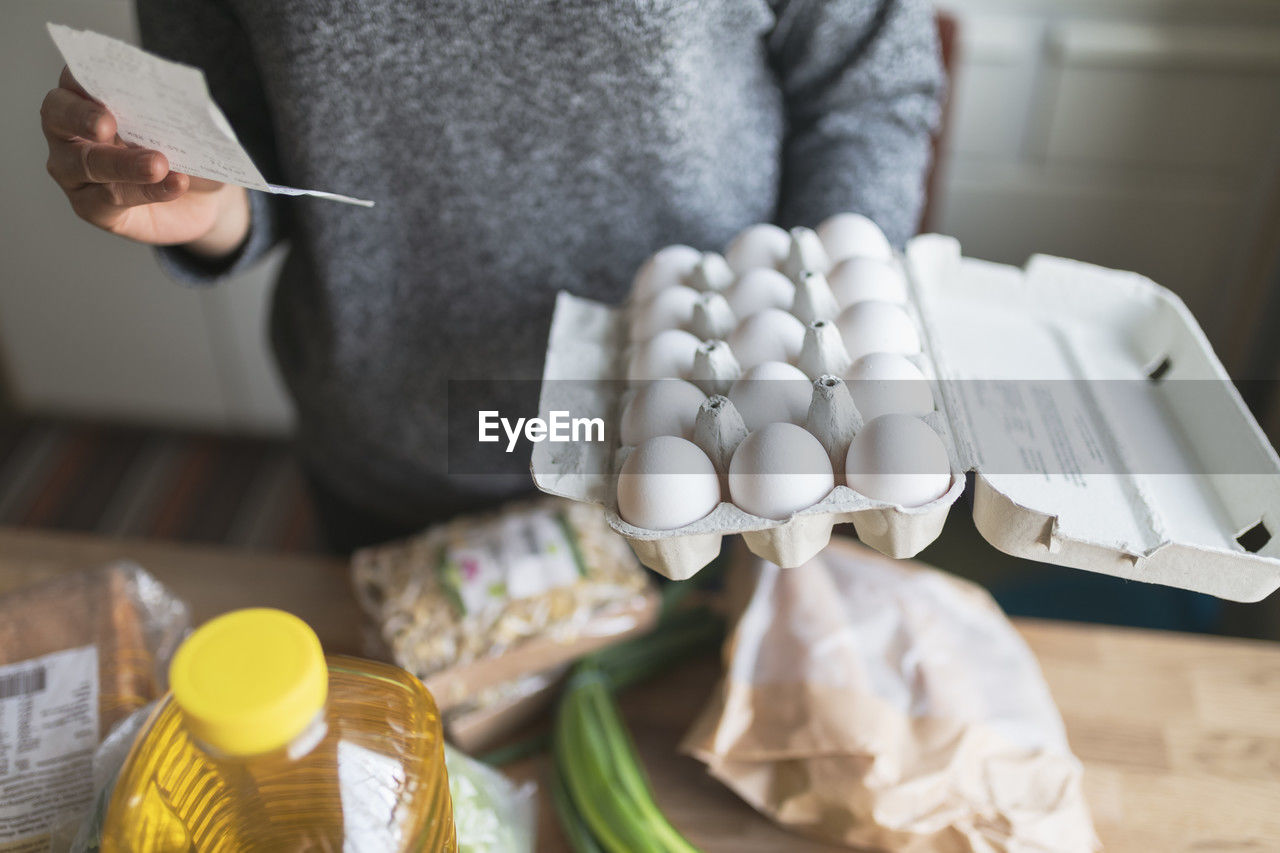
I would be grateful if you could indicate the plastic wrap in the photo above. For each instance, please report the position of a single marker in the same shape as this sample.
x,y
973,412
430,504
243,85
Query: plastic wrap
x,y
888,705
485,600
492,813
107,761
77,656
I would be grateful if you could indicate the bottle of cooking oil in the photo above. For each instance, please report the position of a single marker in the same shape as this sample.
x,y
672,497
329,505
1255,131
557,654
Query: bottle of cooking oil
x,y
264,745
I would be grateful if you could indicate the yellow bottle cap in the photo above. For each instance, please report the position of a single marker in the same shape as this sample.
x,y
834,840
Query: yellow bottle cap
x,y
249,681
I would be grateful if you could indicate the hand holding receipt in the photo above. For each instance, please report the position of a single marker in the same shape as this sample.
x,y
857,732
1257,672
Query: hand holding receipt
x,y
165,106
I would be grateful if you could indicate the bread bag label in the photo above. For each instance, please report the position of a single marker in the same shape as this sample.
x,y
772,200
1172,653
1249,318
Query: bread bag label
x,y
48,733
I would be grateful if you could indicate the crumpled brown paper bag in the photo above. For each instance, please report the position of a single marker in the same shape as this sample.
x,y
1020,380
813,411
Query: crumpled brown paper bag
x,y
883,704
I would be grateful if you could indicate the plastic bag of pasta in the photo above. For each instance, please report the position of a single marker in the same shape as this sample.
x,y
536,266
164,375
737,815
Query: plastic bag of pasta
x,y
484,600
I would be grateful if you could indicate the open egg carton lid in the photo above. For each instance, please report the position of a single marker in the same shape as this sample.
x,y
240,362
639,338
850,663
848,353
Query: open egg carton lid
x,y
1057,386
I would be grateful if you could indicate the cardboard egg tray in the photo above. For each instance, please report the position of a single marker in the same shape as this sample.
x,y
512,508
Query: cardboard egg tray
x,y
1060,323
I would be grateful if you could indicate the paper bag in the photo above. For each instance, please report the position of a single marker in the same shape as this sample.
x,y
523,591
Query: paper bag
x,y
883,704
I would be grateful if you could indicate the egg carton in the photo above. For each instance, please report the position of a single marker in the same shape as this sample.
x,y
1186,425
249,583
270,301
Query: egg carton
x,y
589,343
1199,525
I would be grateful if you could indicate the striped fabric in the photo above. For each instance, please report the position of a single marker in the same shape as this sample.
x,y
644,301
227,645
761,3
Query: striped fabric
x,y
128,481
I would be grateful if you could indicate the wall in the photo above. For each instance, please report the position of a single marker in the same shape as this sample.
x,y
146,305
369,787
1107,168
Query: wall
x,y
1139,134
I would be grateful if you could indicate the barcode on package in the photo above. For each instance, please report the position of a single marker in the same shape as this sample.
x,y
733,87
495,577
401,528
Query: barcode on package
x,y
48,731
23,683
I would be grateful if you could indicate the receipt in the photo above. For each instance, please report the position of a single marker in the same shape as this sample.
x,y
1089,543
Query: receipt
x,y
166,106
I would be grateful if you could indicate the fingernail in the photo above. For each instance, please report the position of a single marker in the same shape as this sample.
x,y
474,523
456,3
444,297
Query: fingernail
x,y
144,165
91,125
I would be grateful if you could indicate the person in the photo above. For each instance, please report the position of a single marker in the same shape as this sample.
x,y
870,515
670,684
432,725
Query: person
x,y
513,150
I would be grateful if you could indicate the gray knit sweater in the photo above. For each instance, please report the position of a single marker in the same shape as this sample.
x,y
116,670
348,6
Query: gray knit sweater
x,y
516,148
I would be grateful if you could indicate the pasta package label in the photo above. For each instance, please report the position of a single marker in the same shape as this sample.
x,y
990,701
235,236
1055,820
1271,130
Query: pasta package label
x,y
518,556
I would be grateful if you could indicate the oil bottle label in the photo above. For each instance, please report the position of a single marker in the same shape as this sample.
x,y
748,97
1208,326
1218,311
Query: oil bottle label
x,y
48,733
514,556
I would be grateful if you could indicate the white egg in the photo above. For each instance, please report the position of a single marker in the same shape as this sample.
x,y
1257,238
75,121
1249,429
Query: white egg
x,y
876,326
768,335
671,308
757,246
859,279
883,383
667,355
772,392
667,482
761,289
778,470
898,459
848,234
665,268
663,407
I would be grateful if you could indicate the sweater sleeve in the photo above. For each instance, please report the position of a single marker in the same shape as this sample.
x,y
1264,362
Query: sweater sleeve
x,y
862,81
206,34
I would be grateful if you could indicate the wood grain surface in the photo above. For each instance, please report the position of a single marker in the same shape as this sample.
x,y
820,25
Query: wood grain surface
x,y
1180,734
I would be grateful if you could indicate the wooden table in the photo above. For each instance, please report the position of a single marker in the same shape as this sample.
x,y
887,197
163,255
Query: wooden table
x,y
1180,734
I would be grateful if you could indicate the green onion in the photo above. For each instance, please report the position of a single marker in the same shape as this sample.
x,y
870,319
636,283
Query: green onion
x,y
603,797
602,774
575,829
